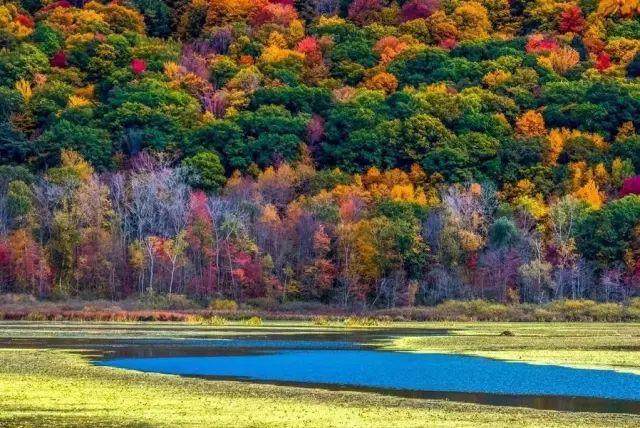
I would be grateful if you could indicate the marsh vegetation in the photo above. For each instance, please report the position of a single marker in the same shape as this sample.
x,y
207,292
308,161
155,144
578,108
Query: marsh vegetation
x,y
48,375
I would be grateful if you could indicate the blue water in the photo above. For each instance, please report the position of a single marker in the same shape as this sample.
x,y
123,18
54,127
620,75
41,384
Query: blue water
x,y
399,371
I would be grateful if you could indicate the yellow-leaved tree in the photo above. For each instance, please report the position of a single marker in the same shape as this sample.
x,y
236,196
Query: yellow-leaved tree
x,y
624,8
531,124
473,20
591,194
24,88
560,60
384,81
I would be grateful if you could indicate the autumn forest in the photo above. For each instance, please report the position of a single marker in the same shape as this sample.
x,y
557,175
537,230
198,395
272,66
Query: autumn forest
x,y
365,153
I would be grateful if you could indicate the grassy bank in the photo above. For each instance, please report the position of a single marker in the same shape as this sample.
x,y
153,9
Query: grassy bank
x,y
604,345
60,387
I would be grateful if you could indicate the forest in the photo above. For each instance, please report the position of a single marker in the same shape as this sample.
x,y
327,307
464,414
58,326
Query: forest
x,y
365,153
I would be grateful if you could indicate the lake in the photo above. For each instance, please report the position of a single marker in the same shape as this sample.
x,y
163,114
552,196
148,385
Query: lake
x,y
348,361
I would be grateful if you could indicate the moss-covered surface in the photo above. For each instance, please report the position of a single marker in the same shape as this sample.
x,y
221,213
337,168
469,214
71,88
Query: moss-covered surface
x,y
574,344
59,387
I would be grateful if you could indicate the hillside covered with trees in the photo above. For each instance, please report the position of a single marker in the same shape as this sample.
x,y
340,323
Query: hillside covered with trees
x,y
365,153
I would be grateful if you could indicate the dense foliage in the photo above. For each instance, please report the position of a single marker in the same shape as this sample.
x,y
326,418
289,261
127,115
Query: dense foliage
x,y
370,152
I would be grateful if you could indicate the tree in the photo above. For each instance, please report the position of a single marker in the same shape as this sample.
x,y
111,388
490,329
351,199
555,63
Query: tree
x,y
536,280
138,66
358,267
272,134
19,202
91,217
29,268
572,20
364,11
503,233
626,8
415,67
384,81
631,186
633,69
173,250
422,133
204,171
25,61
473,20
416,9
365,148
157,16
605,234
591,194
531,124
389,47
224,137
149,113
603,62
92,142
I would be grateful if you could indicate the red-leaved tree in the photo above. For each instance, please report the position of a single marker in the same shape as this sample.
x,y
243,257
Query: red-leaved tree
x,y
572,20
416,9
631,186
138,66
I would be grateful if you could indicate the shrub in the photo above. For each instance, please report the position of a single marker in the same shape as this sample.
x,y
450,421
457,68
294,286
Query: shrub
x,y
470,310
489,311
36,316
122,316
634,302
605,312
194,319
633,309
321,321
572,310
17,299
101,308
180,302
301,306
253,322
223,305
522,312
264,303
543,315
166,301
362,322
219,321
